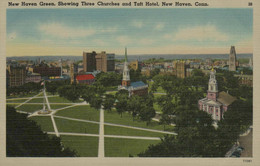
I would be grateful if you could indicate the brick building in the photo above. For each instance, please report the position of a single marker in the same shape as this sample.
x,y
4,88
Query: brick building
x,y
89,61
33,77
88,79
98,61
16,76
45,70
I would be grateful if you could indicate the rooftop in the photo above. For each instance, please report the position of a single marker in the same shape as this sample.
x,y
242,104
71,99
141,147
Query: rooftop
x,y
226,98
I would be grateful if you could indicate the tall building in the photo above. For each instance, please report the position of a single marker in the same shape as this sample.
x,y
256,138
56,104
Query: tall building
x,y
105,62
232,59
180,68
134,88
16,76
89,61
73,72
98,61
215,103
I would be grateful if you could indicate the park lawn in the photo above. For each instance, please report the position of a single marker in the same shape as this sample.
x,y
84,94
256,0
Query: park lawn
x,y
83,146
36,100
80,112
72,126
30,107
57,106
44,122
114,117
58,99
23,95
114,130
12,105
16,101
119,147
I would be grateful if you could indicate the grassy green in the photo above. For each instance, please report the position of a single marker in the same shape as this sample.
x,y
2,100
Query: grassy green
x,y
44,122
114,130
22,95
16,101
80,112
11,104
83,146
65,125
30,107
60,100
36,100
114,117
111,92
118,147
57,106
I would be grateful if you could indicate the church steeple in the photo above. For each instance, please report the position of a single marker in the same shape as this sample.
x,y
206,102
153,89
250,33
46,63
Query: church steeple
x,y
126,74
213,86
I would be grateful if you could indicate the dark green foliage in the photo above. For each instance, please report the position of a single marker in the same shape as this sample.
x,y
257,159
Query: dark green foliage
x,y
121,104
27,88
108,79
108,102
196,135
53,86
25,139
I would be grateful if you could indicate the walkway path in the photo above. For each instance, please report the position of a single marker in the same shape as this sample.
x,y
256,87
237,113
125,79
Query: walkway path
x,y
46,99
28,100
117,125
30,97
101,146
108,136
41,103
54,126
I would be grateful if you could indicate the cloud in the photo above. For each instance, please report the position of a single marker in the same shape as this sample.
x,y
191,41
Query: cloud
x,y
159,26
137,23
124,40
62,31
109,30
100,42
146,41
11,36
199,33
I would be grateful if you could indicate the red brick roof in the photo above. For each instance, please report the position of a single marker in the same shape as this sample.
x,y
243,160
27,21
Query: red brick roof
x,y
85,77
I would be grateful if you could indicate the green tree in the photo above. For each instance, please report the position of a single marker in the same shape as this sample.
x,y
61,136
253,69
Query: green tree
x,y
24,138
134,105
108,102
121,104
147,113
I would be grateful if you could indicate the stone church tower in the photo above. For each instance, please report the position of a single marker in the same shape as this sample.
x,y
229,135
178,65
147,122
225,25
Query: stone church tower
x,y
213,86
126,75
232,59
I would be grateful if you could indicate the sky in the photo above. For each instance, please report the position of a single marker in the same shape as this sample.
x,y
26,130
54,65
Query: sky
x,y
35,32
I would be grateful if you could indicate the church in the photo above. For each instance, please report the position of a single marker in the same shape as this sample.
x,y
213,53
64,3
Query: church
x,y
134,88
215,103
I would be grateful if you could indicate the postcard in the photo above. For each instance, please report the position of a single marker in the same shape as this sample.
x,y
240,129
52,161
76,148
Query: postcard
x,y
129,82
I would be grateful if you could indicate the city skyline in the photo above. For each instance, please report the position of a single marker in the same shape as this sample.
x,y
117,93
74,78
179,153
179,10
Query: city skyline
x,y
144,31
